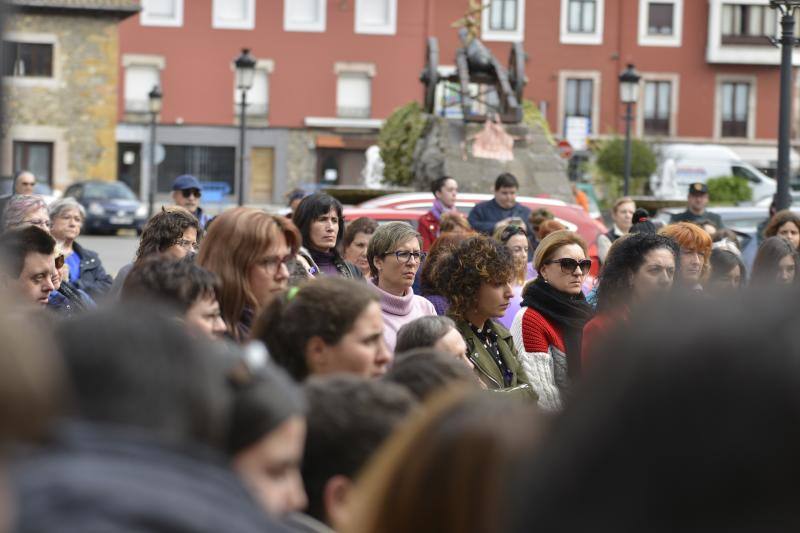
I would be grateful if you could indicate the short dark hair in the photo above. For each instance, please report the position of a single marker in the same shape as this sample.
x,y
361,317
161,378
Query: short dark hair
x,y
438,183
314,206
15,245
134,367
326,307
359,225
425,371
423,332
164,229
178,283
349,418
504,180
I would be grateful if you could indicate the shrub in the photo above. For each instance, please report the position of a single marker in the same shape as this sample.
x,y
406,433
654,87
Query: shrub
x,y
611,164
729,190
533,118
397,139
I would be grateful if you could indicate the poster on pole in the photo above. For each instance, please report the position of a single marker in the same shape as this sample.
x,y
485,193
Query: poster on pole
x,y
576,132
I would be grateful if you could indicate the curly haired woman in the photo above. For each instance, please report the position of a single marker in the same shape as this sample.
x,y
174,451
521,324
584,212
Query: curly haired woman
x,y
476,278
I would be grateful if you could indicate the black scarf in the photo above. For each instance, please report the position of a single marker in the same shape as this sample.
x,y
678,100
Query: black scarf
x,y
568,313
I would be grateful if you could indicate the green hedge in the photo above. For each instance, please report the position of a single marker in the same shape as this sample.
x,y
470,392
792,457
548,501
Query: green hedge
x,y
611,164
397,140
729,190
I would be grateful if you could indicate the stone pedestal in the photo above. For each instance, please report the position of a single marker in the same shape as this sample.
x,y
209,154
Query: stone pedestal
x,y
445,149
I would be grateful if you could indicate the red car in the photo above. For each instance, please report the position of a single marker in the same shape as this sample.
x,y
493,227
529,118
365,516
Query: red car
x,y
571,215
383,215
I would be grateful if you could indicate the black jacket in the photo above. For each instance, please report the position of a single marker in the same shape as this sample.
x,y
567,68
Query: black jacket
x,y
688,216
100,479
93,277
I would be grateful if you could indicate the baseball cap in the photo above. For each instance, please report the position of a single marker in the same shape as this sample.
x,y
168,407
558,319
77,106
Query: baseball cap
x,y
187,181
698,188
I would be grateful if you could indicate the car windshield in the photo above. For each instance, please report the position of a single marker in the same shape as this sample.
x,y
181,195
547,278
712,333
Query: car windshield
x,y
110,191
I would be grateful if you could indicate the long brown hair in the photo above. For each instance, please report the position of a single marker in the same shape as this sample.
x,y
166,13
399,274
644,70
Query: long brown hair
x,y
446,470
235,241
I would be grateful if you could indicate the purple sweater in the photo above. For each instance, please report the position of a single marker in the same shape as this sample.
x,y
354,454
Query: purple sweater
x,y
400,310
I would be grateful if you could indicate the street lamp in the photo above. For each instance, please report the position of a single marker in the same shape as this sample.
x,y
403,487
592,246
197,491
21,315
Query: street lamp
x,y
787,10
628,95
154,105
245,72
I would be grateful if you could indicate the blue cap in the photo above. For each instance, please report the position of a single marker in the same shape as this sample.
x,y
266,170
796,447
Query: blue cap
x,y
187,181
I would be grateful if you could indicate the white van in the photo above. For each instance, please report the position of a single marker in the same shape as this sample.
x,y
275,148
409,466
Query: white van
x,y
683,164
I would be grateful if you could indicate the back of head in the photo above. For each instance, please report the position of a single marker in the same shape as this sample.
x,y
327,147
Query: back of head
x,y
164,229
423,332
441,247
549,226
449,468
425,371
178,284
454,223
16,244
17,208
135,367
348,420
326,307
691,423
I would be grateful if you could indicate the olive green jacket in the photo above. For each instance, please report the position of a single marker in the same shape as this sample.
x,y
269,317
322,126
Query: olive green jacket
x,y
485,366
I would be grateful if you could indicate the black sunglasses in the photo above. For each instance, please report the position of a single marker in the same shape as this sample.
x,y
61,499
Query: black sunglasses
x,y
191,192
568,265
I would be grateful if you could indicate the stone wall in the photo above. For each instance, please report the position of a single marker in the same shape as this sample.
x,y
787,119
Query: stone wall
x,y
301,160
79,103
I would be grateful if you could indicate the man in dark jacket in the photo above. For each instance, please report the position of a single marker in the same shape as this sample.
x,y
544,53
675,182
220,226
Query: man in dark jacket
x,y
696,207
485,216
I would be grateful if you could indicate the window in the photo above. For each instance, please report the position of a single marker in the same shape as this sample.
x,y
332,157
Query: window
x,y
748,24
208,163
162,13
304,15
36,157
139,81
578,98
376,17
660,18
503,20
660,22
582,21
258,94
234,14
27,59
657,107
735,109
353,95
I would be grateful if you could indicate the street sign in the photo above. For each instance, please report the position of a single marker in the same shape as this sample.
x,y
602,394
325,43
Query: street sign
x,y
565,149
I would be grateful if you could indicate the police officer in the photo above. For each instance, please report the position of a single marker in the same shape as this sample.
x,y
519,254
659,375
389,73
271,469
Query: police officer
x,y
696,204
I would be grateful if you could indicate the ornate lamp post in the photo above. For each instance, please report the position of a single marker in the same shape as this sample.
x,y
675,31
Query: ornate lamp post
x,y
787,10
245,72
628,95
154,101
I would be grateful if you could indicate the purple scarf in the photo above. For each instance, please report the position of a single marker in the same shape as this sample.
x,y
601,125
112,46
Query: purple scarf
x,y
439,209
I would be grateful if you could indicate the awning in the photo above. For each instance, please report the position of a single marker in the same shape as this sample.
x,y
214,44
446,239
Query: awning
x,y
764,156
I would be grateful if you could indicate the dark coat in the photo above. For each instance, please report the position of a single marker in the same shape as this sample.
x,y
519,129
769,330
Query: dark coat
x,y
93,277
107,480
688,216
485,215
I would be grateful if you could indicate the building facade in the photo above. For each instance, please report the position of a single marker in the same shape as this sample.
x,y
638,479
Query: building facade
x,y
329,72
60,88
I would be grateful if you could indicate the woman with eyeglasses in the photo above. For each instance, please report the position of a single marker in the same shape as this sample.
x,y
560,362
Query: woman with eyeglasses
x,y
249,251
548,330
394,254
319,219
639,268
173,232
26,210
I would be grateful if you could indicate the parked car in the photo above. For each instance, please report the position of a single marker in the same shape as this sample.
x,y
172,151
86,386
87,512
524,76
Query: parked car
x,y
382,215
110,206
572,216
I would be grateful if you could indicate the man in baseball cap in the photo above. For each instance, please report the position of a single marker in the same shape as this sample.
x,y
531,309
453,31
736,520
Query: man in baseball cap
x,y
186,193
696,203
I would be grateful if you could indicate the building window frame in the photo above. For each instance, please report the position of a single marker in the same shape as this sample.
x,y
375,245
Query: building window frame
x,y
767,16
365,70
582,38
656,77
156,62
249,23
51,82
39,134
146,19
648,39
751,105
596,77
301,26
261,115
390,28
25,146
508,36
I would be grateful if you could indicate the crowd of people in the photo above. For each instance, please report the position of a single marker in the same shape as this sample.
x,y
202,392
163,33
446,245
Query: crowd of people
x,y
261,372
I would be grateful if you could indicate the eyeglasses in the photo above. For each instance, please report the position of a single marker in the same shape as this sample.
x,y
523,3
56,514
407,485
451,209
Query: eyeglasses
x,y
511,230
568,265
192,246
59,261
191,192
405,257
272,263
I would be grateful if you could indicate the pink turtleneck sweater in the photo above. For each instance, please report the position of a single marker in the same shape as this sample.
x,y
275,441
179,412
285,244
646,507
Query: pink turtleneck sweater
x,y
400,310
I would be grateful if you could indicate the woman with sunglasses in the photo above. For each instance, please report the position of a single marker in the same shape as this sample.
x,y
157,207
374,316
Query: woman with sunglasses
x,y
548,330
515,238
394,254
